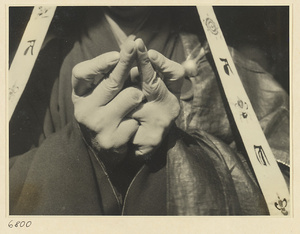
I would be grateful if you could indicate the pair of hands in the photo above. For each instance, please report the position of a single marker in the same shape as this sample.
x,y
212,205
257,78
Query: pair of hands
x,y
142,114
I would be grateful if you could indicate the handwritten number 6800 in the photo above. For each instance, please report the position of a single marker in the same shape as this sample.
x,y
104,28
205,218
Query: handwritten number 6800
x,y
19,224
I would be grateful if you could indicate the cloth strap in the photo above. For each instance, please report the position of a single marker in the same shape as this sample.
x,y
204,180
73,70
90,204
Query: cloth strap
x,y
268,174
27,52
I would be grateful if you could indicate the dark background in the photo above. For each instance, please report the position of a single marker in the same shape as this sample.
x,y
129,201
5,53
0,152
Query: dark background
x,y
261,33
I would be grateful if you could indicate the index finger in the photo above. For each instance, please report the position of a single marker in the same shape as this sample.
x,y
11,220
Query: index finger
x,y
110,86
144,65
84,74
121,71
150,82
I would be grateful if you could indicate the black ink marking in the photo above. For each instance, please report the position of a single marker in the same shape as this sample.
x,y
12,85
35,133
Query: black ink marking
x,y
227,67
244,115
13,90
243,106
30,47
281,205
211,26
260,155
19,224
43,12
240,103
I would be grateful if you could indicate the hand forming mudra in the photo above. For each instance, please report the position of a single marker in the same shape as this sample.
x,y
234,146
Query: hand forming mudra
x,y
139,114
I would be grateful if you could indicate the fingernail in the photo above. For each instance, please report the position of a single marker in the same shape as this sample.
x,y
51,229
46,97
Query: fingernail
x,y
141,153
134,75
140,45
128,47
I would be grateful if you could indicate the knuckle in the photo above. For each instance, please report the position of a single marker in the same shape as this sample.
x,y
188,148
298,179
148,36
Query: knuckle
x,y
175,110
162,122
125,61
111,85
118,142
105,141
83,70
172,107
135,95
94,120
145,60
80,114
100,121
75,98
83,118
154,138
77,69
155,91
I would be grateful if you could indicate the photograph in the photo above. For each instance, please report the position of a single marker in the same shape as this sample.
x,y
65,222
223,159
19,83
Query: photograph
x,y
149,111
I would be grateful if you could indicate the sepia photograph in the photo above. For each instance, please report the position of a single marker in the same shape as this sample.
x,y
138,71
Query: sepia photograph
x,y
149,110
